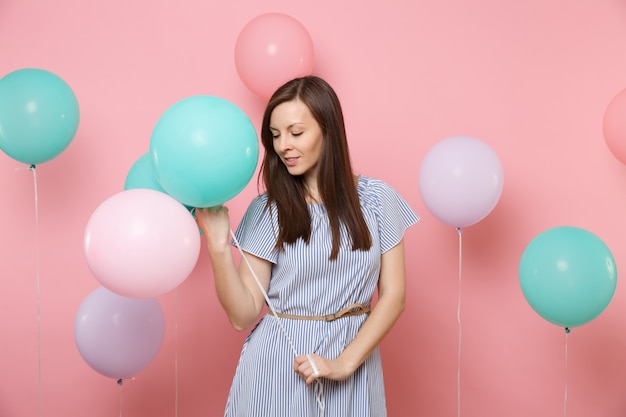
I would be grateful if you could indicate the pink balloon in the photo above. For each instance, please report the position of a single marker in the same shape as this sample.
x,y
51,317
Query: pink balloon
x,y
460,180
272,49
118,336
141,243
614,126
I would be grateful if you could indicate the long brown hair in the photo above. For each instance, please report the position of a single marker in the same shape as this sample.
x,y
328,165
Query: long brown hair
x,y
335,178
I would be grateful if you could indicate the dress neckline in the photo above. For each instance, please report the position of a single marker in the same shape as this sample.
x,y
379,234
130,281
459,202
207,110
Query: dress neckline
x,y
320,207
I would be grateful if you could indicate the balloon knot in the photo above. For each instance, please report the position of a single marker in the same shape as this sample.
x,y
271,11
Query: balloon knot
x,y
567,330
458,229
120,382
32,167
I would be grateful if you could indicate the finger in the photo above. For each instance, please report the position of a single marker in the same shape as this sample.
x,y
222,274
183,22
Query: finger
x,y
300,360
311,378
219,209
303,369
313,366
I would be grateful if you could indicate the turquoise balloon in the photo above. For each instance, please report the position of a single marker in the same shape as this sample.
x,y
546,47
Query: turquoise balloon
x,y
141,175
39,115
568,276
204,151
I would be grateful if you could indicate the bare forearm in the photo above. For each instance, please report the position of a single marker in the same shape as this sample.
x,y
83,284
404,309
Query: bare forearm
x,y
241,300
378,324
234,295
391,300
390,305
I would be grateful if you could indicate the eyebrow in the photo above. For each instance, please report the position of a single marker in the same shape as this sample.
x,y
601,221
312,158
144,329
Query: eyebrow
x,y
288,127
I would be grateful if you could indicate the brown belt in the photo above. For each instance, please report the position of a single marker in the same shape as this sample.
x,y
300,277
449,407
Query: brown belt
x,y
352,310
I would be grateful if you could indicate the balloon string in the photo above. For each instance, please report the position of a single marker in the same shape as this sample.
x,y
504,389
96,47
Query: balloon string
x,y
458,318
120,382
176,352
267,299
33,169
319,391
567,331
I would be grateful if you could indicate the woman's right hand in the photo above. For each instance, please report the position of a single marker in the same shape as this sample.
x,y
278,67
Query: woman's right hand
x,y
215,225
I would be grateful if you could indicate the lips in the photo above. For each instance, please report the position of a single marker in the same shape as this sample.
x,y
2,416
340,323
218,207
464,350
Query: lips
x,y
290,162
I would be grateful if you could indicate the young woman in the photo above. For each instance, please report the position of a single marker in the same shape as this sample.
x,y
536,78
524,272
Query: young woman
x,y
319,241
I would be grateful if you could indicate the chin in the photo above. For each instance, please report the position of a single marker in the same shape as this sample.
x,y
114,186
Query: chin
x,y
295,172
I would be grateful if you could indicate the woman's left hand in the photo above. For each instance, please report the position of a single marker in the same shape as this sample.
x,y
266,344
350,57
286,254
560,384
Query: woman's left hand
x,y
326,368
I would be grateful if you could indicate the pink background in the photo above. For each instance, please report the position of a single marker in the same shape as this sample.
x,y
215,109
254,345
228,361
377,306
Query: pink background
x,y
531,78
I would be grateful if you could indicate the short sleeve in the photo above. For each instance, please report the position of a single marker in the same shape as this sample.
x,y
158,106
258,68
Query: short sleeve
x,y
393,213
257,231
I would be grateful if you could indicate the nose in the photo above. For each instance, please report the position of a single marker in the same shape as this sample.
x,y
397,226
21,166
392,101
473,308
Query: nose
x,y
282,143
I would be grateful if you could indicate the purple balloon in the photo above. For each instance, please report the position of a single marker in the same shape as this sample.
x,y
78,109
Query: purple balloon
x,y
460,180
118,336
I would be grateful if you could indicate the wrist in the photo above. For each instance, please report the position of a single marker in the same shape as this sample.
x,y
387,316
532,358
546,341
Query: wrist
x,y
218,249
349,365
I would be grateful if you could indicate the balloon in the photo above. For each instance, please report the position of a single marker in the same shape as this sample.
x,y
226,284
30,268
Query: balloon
x,y
141,243
204,151
614,126
38,115
141,175
460,180
568,275
272,49
118,336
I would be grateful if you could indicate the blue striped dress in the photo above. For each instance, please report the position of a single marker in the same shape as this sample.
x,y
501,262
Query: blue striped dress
x,y
305,282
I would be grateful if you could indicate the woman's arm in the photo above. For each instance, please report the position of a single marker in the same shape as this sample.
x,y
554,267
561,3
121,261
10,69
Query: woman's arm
x,y
391,303
236,288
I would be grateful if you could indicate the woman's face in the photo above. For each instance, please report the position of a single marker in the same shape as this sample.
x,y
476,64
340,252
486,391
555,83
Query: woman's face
x,y
297,138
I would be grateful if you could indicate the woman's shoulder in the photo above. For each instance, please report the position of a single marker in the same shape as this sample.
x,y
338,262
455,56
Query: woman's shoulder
x,y
393,213
257,205
257,214
371,189
379,196
259,200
